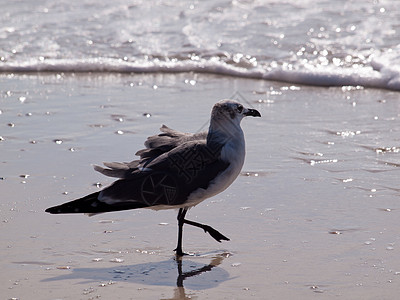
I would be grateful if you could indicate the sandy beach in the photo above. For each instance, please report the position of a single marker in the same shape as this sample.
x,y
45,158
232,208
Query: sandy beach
x,y
315,213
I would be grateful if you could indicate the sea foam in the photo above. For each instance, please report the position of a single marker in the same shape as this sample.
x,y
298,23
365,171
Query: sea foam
x,y
382,72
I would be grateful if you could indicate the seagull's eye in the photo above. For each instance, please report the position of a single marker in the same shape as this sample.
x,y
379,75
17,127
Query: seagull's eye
x,y
240,108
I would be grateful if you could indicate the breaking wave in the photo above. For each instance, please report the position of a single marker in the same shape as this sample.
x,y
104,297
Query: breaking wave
x,y
380,73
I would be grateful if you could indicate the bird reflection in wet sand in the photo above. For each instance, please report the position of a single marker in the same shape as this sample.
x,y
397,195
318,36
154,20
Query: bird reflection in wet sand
x,y
179,292
195,272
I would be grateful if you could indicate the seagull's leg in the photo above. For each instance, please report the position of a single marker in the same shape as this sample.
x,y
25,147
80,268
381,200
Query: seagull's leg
x,y
180,279
214,233
181,221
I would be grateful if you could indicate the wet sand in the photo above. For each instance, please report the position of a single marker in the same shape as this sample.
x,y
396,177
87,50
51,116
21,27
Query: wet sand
x,y
315,213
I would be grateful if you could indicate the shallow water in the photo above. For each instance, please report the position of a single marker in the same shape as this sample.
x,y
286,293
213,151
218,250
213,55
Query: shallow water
x,y
314,212
318,42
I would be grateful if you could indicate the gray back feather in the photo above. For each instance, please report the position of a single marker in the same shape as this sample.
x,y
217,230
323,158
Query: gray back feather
x,y
156,145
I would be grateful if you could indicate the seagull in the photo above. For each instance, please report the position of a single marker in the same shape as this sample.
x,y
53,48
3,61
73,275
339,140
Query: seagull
x,y
176,170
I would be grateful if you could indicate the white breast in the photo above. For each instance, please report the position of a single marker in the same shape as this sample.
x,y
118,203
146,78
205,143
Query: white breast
x,y
234,153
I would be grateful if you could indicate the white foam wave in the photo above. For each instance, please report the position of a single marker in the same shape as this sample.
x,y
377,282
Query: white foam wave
x,y
381,73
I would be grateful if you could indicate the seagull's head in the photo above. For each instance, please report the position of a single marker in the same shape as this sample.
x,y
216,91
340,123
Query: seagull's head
x,y
225,121
231,111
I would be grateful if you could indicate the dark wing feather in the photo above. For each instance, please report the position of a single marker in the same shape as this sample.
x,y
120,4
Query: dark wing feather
x,y
91,205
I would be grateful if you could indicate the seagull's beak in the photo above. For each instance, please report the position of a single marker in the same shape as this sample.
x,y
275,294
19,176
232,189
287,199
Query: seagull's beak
x,y
251,112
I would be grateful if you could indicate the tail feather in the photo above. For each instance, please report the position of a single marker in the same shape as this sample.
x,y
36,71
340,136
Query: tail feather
x,y
91,205
118,173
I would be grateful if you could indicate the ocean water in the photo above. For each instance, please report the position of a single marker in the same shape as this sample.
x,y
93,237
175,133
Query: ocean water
x,y
314,42
316,209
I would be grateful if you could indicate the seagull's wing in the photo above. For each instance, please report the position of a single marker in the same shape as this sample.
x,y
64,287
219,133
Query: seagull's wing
x,y
166,182
156,145
170,178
